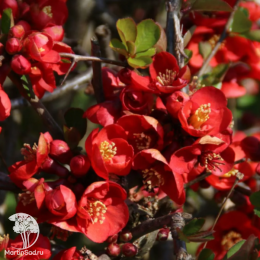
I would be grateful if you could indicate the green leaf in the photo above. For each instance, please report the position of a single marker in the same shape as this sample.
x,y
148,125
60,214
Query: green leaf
x,y
142,62
65,61
255,199
252,35
205,49
131,48
206,254
74,118
148,34
257,212
127,29
187,36
234,249
150,52
118,46
241,22
26,85
189,54
211,6
6,20
193,226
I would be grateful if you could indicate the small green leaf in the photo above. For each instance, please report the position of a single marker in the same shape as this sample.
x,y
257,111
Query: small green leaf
x,y
26,85
218,85
193,226
189,54
187,36
6,20
211,6
241,22
252,35
150,52
255,199
118,46
257,212
131,48
142,62
148,34
206,254
205,49
65,61
127,29
234,249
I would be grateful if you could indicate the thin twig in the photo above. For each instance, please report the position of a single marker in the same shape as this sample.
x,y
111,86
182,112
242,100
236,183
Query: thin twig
x,y
240,161
97,82
76,58
198,179
223,36
38,107
70,85
239,177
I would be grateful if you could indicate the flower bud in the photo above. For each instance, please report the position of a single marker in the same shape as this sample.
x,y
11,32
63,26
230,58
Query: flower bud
x,y
126,236
129,250
113,250
20,65
162,234
112,239
79,165
60,151
26,26
13,46
17,31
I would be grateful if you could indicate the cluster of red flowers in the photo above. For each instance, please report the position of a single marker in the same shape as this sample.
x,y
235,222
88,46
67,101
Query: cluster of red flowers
x,y
164,129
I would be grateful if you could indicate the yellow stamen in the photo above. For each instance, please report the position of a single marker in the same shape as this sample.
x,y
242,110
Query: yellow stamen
x,y
97,211
167,78
48,10
200,116
230,239
107,150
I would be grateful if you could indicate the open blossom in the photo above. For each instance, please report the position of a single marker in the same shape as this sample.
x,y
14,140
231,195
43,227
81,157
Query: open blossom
x,y
165,75
205,113
109,151
69,254
157,173
102,211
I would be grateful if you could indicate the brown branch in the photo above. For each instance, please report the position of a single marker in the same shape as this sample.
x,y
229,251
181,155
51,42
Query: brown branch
x,y
97,82
198,179
103,34
38,107
223,36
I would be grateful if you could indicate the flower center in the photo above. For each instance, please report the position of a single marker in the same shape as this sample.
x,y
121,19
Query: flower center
x,y
142,141
97,211
152,179
167,78
107,150
200,116
230,239
231,173
47,10
29,153
213,41
211,161
26,197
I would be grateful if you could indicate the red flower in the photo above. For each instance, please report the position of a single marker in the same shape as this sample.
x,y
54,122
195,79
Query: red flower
x,y
205,113
226,181
165,75
20,65
231,228
157,173
42,245
5,105
207,153
102,211
143,132
109,151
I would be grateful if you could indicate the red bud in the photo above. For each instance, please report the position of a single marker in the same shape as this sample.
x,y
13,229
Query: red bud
x,y
129,250
163,234
20,65
13,46
113,250
126,236
112,239
17,31
26,26
79,165
60,151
